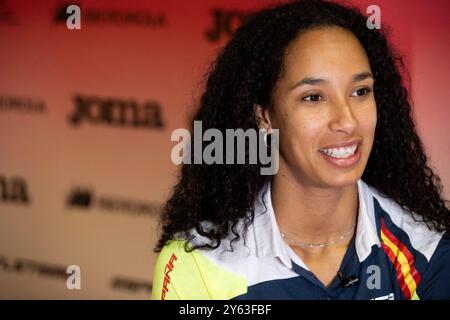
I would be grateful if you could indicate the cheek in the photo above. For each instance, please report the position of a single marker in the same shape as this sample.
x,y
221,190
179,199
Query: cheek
x,y
367,121
302,131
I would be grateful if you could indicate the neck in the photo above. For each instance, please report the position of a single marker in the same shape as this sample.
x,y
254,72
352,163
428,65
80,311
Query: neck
x,y
313,214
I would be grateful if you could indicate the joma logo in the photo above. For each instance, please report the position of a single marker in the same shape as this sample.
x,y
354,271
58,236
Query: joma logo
x,y
226,22
116,112
13,190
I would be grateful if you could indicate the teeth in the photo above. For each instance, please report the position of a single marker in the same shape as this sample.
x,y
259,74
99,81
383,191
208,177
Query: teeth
x,y
340,152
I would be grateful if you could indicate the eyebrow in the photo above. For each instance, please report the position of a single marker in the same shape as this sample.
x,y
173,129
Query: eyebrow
x,y
316,81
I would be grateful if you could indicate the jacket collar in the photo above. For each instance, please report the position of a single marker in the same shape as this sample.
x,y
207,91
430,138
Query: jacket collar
x,y
268,240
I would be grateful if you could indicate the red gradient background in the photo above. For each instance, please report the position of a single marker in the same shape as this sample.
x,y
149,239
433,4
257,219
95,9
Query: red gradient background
x,y
42,59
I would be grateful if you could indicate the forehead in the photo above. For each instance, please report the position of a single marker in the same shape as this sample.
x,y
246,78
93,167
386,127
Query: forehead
x,y
325,51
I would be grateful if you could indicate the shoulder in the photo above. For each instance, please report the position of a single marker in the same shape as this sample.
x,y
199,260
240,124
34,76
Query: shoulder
x,y
198,274
435,283
426,250
405,225
176,269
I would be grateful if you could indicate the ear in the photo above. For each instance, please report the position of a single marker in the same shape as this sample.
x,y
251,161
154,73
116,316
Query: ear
x,y
263,117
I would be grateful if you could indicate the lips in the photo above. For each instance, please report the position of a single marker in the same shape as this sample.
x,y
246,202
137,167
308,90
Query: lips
x,y
344,154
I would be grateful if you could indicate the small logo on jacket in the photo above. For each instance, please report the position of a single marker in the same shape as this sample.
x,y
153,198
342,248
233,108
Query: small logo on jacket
x,y
389,296
167,270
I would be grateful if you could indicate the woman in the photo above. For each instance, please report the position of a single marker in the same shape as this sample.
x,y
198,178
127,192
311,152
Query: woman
x,y
354,211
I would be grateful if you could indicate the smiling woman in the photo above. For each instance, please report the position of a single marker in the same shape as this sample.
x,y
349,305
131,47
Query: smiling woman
x,y
354,211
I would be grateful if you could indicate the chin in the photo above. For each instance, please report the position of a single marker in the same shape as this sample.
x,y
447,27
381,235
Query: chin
x,y
343,176
344,182
343,179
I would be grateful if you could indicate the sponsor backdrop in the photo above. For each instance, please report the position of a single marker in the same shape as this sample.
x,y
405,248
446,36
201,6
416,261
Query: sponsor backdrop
x,y
85,123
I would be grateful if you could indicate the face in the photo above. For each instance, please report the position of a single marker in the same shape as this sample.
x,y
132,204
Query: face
x,y
324,108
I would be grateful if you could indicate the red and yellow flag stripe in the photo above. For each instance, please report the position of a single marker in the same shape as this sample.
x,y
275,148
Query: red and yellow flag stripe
x,y
403,261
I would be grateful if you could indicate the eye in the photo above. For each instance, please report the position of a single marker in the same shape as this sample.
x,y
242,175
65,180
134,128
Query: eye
x,y
361,92
312,98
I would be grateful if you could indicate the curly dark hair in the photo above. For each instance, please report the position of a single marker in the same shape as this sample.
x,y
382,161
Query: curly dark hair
x,y
245,73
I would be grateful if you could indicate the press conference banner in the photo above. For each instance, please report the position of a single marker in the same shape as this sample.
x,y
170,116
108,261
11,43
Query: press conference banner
x,y
90,92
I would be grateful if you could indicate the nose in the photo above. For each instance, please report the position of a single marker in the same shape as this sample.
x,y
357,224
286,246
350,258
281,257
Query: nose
x,y
343,118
